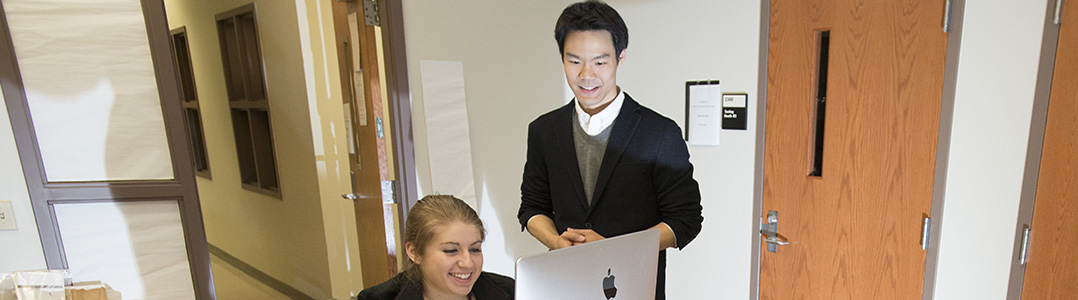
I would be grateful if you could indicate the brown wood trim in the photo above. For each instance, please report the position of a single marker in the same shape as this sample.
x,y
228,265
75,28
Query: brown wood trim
x,y
26,143
400,107
114,200
189,100
43,195
160,41
236,11
182,30
1034,147
257,189
248,100
114,191
259,102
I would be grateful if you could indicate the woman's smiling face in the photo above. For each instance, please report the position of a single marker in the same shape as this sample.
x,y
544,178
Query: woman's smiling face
x,y
452,261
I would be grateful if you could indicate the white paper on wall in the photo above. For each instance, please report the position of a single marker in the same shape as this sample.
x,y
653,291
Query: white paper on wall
x,y
448,136
138,248
705,114
91,89
357,71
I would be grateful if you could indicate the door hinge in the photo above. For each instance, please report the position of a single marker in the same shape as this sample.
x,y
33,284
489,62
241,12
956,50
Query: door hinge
x,y
1024,254
1059,12
370,13
388,188
925,232
947,15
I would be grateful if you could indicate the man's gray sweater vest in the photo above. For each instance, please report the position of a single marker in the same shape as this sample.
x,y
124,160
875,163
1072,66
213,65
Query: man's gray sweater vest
x,y
589,154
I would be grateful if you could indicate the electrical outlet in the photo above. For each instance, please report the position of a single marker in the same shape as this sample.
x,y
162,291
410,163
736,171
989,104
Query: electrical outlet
x,y
7,216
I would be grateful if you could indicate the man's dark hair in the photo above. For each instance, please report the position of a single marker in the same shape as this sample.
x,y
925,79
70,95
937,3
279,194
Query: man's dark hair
x,y
592,15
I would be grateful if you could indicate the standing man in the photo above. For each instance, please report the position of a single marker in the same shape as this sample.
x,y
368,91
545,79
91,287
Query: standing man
x,y
603,165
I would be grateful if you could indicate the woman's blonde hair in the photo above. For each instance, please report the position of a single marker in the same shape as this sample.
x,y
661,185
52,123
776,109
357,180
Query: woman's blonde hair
x,y
426,217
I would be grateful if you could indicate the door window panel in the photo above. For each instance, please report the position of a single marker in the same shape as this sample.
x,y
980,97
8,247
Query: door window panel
x,y
136,247
90,86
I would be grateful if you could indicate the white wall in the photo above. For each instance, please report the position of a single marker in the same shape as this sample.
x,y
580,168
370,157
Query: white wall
x,y
22,247
676,41
512,74
1001,43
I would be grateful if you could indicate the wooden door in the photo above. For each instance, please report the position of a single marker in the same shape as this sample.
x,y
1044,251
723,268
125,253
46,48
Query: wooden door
x,y
1052,264
849,156
360,67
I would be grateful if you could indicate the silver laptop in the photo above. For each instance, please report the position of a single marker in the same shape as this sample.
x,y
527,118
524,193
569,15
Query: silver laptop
x,y
619,268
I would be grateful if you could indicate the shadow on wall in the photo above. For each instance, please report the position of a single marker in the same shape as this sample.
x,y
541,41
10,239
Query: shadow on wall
x,y
97,117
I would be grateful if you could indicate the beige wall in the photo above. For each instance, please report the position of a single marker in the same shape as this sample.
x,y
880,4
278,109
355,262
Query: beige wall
x,y
330,142
307,238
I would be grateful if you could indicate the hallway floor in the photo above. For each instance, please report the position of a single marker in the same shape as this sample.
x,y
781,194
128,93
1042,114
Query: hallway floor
x,y
231,283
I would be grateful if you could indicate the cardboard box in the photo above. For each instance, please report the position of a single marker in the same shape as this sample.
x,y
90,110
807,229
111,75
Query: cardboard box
x,y
96,292
91,290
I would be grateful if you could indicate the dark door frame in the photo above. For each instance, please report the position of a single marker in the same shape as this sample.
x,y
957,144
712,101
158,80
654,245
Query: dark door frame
x,y
400,105
182,189
1038,123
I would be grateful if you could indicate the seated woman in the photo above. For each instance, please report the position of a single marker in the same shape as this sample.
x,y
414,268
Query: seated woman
x,y
443,237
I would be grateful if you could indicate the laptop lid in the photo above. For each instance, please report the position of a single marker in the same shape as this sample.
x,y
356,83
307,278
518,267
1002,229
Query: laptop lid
x,y
620,268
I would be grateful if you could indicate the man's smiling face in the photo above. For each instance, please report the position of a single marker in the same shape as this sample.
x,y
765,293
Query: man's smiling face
x,y
591,68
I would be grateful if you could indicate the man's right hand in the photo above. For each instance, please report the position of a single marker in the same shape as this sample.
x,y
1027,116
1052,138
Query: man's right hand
x,y
558,242
542,228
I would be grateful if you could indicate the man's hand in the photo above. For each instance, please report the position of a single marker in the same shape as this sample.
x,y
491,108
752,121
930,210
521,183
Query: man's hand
x,y
558,242
580,236
542,228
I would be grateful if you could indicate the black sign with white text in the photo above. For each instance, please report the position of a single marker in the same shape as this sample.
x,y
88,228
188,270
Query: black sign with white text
x,y
734,111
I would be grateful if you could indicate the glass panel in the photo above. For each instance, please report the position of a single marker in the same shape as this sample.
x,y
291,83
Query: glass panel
x,y
137,248
91,89
821,102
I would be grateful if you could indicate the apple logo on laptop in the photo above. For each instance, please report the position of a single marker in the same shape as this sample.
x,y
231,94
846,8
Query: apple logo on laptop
x,y
608,285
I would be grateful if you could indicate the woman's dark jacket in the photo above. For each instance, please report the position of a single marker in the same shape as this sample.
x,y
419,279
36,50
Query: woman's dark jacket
x,y
488,286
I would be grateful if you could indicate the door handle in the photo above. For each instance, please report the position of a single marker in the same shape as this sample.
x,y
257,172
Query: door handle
x,y
770,230
356,197
775,240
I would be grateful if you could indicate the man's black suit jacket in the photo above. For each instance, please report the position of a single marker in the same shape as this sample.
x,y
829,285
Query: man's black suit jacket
x,y
645,178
